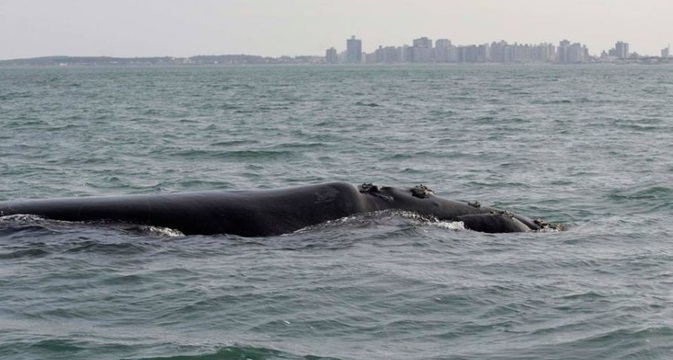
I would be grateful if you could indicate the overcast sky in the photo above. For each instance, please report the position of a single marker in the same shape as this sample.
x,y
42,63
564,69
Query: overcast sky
x,y
31,28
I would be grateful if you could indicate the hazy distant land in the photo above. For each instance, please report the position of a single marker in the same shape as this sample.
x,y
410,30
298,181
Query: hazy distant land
x,y
162,60
221,60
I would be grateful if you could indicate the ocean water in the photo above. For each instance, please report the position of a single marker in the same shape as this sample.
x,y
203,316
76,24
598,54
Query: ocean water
x,y
586,146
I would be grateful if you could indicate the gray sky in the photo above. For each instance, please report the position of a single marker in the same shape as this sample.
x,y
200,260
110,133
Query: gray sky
x,y
31,28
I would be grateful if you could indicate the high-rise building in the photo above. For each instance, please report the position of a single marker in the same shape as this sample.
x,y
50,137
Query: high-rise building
x,y
666,53
423,42
388,54
572,53
442,43
563,52
499,52
442,47
468,53
483,53
422,50
406,53
577,53
354,50
621,50
331,56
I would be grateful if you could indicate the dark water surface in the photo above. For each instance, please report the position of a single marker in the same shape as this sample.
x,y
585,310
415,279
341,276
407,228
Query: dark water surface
x,y
588,146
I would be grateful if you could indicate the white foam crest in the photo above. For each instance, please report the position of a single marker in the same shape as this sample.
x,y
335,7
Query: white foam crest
x,y
30,219
161,231
431,221
450,225
385,217
548,229
21,218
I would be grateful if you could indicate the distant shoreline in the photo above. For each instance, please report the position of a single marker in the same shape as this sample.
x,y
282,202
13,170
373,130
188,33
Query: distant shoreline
x,y
238,60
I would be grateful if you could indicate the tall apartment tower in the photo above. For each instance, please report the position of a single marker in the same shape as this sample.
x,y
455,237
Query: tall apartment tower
x,y
354,50
622,50
442,47
563,52
331,56
422,50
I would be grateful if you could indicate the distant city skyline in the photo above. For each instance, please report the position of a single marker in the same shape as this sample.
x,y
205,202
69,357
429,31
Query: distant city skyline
x,y
423,50
128,28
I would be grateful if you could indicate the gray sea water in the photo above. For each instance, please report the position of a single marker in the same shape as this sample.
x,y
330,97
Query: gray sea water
x,y
587,146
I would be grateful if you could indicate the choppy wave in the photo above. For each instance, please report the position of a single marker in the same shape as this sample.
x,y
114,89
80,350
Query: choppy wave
x,y
587,146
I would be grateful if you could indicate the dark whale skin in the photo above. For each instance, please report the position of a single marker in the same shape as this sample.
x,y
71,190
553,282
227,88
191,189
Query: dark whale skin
x,y
264,212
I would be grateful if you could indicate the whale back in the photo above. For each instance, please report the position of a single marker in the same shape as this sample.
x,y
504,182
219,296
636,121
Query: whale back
x,y
266,212
244,213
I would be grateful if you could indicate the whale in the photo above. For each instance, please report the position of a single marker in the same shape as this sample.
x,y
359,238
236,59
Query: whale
x,y
260,213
